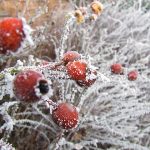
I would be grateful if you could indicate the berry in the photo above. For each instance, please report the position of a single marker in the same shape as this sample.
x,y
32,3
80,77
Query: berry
x,y
90,79
71,56
27,84
97,7
132,75
77,70
65,115
11,35
116,69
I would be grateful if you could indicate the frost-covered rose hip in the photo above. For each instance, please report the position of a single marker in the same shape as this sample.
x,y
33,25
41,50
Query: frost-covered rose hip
x,y
71,56
132,75
77,70
116,69
90,79
65,115
29,85
11,35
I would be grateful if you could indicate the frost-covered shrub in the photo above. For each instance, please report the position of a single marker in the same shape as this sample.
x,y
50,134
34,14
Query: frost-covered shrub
x,y
113,112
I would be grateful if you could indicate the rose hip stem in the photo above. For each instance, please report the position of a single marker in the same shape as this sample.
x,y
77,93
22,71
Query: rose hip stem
x,y
50,102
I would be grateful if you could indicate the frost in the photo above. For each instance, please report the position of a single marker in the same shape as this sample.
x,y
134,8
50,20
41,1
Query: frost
x,y
27,41
114,112
9,86
5,146
78,146
27,30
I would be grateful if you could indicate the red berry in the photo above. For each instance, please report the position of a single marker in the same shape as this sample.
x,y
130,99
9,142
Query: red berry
x,y
71,56
132,75
65,115
116,68
77,70
90,79
11,34
26,83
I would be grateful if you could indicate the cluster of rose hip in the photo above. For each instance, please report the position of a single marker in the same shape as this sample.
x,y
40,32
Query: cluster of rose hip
x,y
118,69
30,85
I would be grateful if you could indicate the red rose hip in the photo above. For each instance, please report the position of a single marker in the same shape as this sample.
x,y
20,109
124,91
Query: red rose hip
x,y
29,85
65,115
90,79
132,75
77,70
116,69
11,35
71,56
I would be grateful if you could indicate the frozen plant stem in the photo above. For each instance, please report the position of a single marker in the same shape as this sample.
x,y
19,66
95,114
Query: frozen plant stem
x,y
25,8
66,30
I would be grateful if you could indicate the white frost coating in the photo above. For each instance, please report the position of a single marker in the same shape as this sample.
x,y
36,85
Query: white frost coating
x,y
27,30
9,86
114,112
27,41
19,63
37,90
5,146
78,146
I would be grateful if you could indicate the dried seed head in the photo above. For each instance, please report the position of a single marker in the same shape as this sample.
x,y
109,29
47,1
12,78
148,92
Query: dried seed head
x,y
97,7
79,16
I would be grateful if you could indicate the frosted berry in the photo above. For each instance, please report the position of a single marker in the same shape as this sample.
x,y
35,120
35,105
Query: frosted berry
x,y
65,115
11,35
26,83
132,75
117,69
90,79
71,56
77,70
97,7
